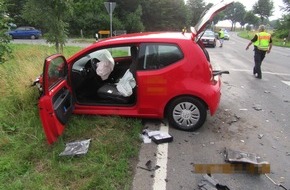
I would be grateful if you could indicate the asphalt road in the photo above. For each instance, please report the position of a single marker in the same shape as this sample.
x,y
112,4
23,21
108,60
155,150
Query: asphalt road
x,y
253,117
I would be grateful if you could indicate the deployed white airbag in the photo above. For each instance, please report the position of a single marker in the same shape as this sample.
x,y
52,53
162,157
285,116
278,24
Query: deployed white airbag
x,y
126,84
106,64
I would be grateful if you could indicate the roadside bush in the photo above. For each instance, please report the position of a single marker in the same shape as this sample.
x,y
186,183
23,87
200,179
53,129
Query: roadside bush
x,y
281,34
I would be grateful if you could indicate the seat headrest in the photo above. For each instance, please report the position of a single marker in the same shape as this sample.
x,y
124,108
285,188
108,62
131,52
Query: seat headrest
x,y
134,52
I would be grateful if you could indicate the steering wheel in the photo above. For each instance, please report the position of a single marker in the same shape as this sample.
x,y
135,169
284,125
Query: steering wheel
x,y
94,62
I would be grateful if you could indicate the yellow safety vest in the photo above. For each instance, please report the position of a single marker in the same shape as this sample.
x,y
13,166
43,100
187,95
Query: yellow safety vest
x,y
222,34
263,41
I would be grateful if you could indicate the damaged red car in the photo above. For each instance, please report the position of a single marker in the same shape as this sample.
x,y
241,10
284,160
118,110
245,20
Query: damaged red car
x,y
146,75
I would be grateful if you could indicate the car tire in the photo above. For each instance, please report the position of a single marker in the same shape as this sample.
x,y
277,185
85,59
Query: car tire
x,y
186,113
214,45
33,37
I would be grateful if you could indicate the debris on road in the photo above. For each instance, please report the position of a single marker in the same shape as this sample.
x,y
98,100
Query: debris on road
x,y
76,148
156,136
235,119
149,166
257,108
260,136
233,156
209,183
145,138
238,162
278,184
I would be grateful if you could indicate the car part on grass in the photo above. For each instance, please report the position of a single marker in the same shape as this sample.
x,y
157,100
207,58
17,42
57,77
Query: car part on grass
x,y
76,148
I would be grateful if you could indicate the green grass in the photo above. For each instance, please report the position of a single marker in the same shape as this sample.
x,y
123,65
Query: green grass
x,y
28,162
251,34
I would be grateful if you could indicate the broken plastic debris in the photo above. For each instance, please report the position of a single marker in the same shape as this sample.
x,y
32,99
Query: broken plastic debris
x,y
209,183
257,108
260,136
162,138
149,166
145,138
238,156
156,136
76,148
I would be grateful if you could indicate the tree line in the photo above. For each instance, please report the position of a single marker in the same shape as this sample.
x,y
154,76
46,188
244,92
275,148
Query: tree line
x,y
60,19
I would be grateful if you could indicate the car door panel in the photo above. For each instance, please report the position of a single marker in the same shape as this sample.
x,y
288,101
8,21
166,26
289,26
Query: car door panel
x,y
56,103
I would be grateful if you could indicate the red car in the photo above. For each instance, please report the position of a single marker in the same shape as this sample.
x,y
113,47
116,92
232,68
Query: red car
x,y
147,75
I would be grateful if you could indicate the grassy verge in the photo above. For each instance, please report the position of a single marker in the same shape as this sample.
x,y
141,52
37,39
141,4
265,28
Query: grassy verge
x,y
28,162
250,34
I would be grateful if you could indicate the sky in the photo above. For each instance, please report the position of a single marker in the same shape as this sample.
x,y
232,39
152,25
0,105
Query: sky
x,y
277,13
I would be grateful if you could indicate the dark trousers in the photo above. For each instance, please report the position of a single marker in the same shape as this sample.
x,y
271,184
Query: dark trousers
x,y
258,57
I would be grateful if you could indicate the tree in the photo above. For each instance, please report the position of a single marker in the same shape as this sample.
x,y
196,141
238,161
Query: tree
x,y
251,19
287,6
235,13
14,10
287,18
4,39
52,16
88,17
263,8
169,15
195,9
133,21
129,12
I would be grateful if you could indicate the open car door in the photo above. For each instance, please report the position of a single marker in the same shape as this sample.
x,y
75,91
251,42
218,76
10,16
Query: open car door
x,y
56,102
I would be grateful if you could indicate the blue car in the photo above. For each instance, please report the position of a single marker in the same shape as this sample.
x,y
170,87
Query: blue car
x,y
26,32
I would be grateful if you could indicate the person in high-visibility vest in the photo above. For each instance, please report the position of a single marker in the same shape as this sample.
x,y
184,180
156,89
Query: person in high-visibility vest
x,y
262,44
221,37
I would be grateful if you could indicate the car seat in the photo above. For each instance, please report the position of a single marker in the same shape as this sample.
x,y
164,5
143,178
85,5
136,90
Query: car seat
x,y
109,91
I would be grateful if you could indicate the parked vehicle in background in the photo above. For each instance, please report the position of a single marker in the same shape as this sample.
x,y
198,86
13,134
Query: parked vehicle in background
x,y
208,38
227,36
25,32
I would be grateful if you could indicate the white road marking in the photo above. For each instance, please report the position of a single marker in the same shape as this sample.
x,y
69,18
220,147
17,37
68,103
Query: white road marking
x,y
286,82
272,73
161,155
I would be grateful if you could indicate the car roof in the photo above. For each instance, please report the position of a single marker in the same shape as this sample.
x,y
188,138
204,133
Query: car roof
x,y
149,36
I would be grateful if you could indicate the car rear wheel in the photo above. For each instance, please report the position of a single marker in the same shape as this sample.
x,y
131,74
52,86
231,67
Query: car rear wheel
x,y
186,113
32,37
